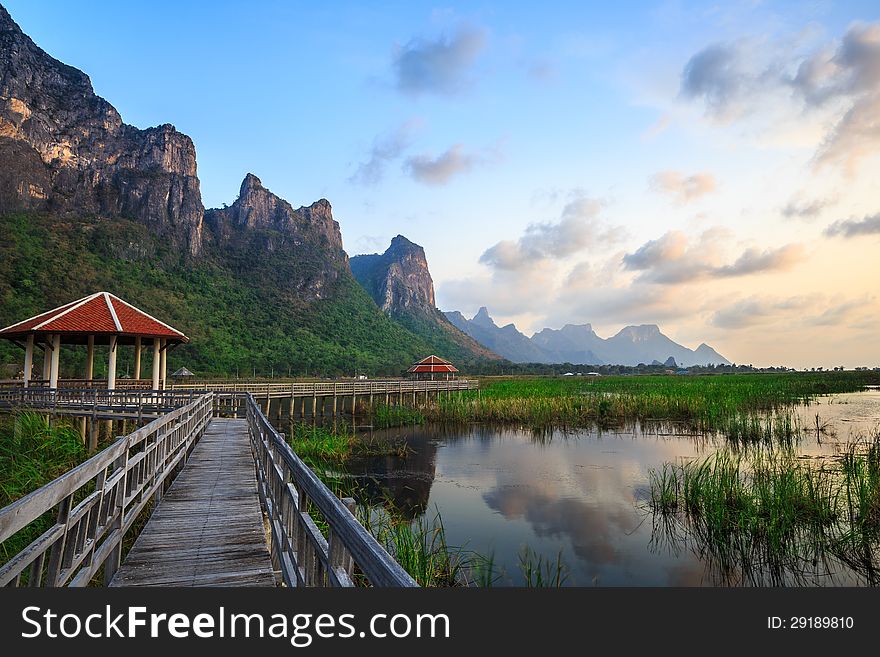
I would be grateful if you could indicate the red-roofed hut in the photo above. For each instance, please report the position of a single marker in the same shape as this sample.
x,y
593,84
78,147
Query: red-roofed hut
x,y
428,367
101,318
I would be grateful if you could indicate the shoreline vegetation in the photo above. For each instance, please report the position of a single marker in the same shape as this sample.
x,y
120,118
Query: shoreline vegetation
x,y
770,516
742,407
33,453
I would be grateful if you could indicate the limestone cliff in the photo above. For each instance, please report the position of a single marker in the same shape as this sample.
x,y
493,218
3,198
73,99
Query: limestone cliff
x,y
66,150
398,279
304,245
400,283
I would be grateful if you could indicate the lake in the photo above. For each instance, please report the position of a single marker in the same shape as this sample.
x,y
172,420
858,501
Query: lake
x,y
580,494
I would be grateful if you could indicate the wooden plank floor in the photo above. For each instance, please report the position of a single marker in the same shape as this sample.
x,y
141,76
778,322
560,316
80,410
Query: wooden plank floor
x,y
208,528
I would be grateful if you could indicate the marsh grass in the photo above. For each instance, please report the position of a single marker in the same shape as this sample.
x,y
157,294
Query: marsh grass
x,y
33,453
387,416
540,572
770,516
319,446
422,549
747,407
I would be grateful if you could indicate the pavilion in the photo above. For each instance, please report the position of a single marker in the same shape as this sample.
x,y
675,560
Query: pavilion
x,y
98,319
428,367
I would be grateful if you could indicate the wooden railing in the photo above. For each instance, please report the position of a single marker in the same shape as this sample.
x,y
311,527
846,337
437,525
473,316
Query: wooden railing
x,y
121,384
132,400
336,388
92,506
304,556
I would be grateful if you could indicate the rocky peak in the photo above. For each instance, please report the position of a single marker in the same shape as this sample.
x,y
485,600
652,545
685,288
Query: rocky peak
x,y
258,209
397,279
482,318
66,150
640,333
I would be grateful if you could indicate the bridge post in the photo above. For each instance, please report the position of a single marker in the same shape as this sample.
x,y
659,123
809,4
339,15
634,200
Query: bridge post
x,y
335,385
314,403
292,403
114,560
353,404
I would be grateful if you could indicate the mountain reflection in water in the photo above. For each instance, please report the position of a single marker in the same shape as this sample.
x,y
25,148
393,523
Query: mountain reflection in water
x,y
582,494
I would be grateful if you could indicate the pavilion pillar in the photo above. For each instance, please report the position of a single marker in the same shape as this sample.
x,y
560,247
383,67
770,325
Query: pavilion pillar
x,y
137,358
157,357
164,373
56,355
111,364
47,357
28,359
90,358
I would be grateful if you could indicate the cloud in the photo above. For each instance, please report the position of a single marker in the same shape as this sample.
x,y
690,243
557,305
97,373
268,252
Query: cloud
x,y
797,209
855,137
855,227
385,149
753,261
439,66
683,188
718,75
674,259
577,228
542,71
840,80
754,311
806,311
441,169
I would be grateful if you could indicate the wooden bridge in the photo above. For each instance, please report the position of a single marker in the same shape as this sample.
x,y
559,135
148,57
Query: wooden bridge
x,y
332,398
226,502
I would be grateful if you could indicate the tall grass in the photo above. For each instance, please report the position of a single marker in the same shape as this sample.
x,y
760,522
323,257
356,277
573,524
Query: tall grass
x,y
320,446
386,416
748,407
422,549
33,453
771,516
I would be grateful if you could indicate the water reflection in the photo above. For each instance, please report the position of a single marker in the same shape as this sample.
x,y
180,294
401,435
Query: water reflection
x,y
584,493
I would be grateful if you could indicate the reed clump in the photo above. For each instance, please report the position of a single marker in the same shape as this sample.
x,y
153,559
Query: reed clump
x,y
746,407
771,514
386,416
33,452
319,446
421,547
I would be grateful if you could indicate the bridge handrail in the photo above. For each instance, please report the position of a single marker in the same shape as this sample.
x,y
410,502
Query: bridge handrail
x,y
299,549
93,397
330,388
96,502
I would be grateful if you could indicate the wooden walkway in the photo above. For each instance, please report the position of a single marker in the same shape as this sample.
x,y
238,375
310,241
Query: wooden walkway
x,y
208,528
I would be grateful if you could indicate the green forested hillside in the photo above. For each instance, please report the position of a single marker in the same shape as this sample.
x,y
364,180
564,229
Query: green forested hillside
x,y
236,305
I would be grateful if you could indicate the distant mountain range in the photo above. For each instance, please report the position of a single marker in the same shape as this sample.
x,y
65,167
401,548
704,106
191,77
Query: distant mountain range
x,y
578,343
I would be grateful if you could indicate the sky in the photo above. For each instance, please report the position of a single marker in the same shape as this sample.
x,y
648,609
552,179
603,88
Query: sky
x,y
708,167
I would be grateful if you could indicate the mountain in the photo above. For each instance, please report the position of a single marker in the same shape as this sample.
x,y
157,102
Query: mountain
x,y
570,344
642,344
88,202
506,341
580,344
66,150
400,283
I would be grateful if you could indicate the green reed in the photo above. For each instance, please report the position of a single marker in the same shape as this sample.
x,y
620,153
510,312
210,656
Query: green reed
x,y
770,513
749,407
33,452
318,445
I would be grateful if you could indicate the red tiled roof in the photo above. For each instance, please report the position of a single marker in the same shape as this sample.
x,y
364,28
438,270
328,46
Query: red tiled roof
x,y
432,364
101,312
